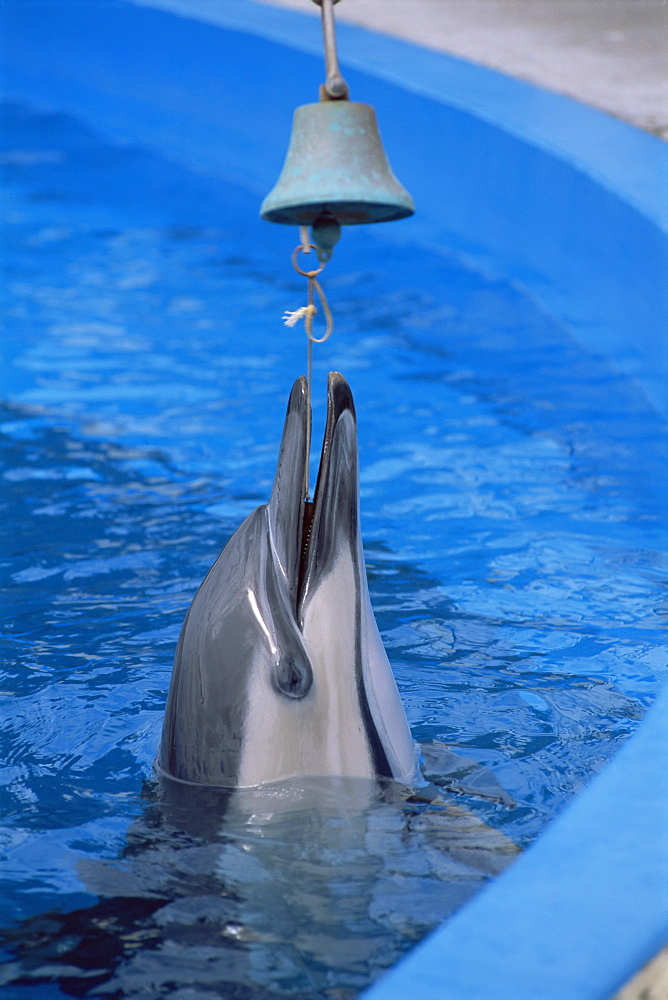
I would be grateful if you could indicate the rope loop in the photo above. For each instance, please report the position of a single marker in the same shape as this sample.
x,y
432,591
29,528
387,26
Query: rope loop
x,y
315,286
307,312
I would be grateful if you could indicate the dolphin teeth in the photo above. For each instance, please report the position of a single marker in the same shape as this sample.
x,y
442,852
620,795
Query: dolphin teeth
x,y
307,527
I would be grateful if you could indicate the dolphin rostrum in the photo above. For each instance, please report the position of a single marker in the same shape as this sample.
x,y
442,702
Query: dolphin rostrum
x,y
280,671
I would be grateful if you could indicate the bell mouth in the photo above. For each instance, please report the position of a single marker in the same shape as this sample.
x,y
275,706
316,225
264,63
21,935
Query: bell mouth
x,y
346,213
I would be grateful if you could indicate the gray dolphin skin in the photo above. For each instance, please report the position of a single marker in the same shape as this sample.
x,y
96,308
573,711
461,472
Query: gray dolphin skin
x,y
280,671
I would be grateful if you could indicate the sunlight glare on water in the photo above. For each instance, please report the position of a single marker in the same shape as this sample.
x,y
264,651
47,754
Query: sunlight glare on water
x,y
513,501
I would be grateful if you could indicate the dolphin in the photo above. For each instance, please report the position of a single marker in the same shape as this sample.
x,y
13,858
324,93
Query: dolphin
x,y
280,671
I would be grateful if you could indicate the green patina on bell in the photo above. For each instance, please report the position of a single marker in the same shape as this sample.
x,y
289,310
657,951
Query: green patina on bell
x,y
336,168
336,172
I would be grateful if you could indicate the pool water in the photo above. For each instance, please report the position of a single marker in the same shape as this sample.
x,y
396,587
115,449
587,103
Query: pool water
x,y
513,502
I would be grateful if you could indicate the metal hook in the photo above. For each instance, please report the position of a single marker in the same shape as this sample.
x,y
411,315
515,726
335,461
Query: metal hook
x,y
335,87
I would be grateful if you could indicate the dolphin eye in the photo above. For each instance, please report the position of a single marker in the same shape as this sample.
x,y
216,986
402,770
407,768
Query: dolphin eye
x,y
292,677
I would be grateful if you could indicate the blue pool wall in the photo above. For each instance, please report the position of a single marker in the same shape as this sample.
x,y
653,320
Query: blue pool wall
x,y
535,189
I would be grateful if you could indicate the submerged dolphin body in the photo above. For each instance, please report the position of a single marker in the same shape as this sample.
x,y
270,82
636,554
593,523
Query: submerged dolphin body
x,y
280,671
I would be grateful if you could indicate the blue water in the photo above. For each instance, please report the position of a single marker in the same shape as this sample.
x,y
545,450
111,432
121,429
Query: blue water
x,y
513,498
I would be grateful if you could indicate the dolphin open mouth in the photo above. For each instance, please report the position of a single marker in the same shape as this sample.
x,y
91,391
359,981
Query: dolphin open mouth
x,y
302,529
280,670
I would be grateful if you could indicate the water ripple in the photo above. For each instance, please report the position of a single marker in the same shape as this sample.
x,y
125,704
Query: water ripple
x,y
513,496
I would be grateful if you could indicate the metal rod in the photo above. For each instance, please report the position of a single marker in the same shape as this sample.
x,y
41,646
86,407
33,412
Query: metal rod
x,y
335,87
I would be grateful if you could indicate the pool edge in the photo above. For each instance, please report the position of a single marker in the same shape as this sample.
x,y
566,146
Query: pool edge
x,y
575,916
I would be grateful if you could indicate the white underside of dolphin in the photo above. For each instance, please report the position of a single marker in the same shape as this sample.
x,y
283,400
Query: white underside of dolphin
x,y
325,732
280,670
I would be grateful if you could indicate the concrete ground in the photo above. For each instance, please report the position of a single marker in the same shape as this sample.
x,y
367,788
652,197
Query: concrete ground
x,y
651,983
612,54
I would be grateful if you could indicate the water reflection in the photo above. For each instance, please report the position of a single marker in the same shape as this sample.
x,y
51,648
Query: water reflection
x,y
304,889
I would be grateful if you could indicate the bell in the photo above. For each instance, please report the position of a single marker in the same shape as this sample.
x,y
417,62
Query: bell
x,y
336,172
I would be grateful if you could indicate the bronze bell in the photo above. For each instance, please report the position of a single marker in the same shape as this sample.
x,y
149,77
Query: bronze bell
x,y
336,172
336,164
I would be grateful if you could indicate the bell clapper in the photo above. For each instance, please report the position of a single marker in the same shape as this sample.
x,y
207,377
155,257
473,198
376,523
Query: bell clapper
x,y
325,234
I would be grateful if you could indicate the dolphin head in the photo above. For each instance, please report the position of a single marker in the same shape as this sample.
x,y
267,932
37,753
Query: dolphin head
x,y
280,671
